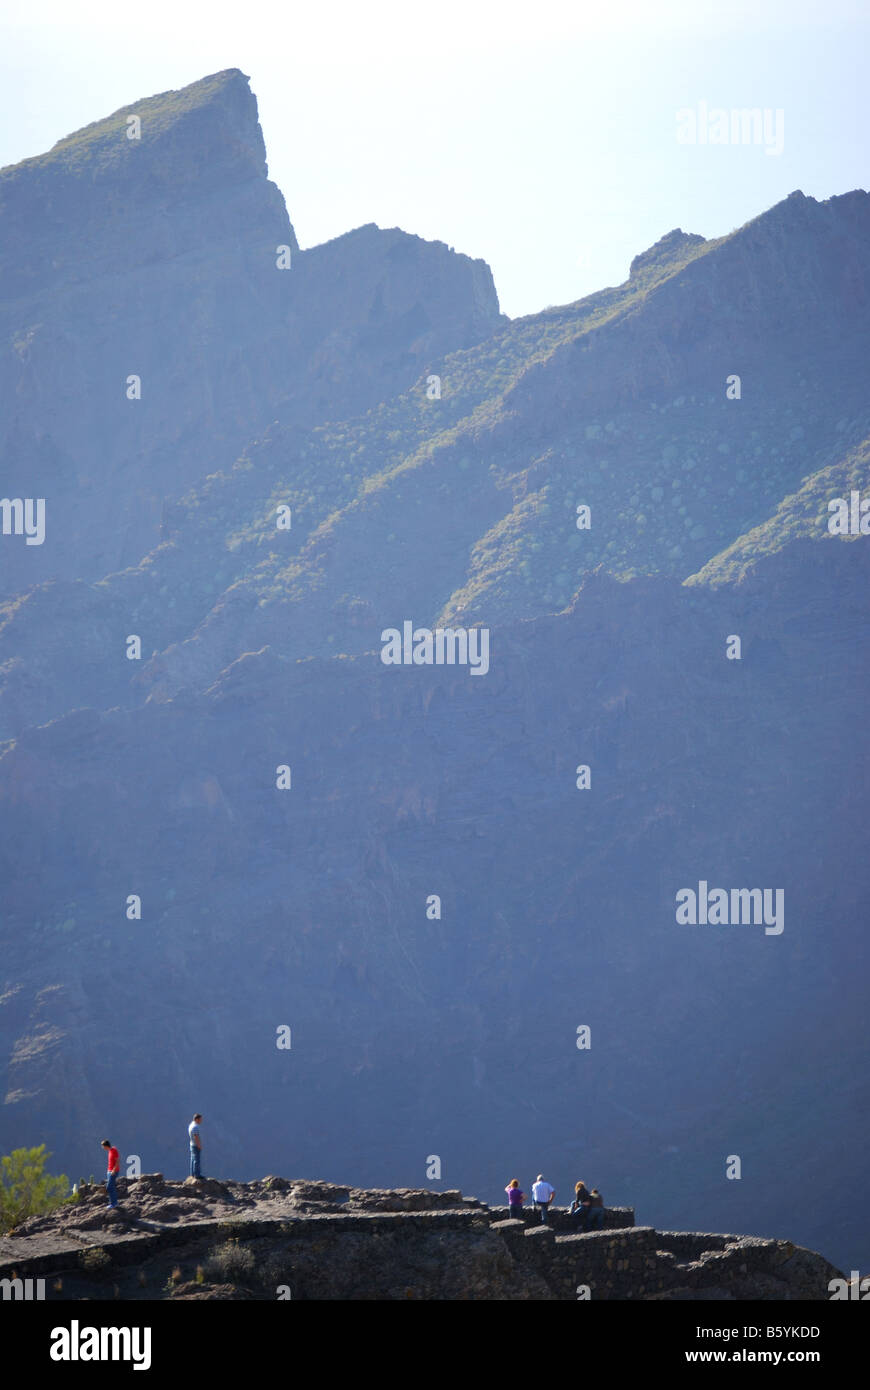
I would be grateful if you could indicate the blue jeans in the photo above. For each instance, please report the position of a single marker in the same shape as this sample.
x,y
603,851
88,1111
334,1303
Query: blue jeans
x,y
194,1161
596,1218
111,1189
543,1206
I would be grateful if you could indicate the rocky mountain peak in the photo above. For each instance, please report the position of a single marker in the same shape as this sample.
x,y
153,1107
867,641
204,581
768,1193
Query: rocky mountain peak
x,y
218,112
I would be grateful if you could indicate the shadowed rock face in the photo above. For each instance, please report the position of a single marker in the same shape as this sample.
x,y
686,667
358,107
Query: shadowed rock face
x,y
557,907
314,1240
157,257
464,506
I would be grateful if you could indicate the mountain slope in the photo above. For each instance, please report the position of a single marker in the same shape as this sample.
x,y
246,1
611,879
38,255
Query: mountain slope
x,y
803,515
467,504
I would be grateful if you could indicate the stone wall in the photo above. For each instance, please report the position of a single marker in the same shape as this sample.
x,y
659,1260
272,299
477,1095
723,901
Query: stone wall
x,y
561,1220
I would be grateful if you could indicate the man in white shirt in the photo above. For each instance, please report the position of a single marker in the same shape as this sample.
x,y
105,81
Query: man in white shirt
x,y
195,1146
543,1194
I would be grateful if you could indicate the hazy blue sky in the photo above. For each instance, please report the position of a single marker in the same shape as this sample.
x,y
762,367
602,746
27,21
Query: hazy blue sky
x,y
540,136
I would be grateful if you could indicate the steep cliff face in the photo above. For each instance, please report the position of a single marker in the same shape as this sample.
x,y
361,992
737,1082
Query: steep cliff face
x,y
309,907
369,312
157,257
151,257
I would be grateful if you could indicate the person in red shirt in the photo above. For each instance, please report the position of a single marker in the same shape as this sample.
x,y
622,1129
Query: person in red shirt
x,y
112,1171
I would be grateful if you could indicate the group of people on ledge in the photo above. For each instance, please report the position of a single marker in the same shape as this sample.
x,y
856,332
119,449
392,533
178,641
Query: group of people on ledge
x,y
587,1208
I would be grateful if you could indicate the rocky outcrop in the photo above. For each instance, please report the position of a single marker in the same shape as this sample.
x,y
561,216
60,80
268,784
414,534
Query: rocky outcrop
x,y
672,248
279,1238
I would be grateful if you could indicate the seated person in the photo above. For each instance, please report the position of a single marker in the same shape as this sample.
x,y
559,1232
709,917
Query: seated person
x,y
579,1208
595,1211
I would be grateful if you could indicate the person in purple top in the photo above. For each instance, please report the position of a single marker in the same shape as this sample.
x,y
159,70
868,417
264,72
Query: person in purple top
x,y
515,1198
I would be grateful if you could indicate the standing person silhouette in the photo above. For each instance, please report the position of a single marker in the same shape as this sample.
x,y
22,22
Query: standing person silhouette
x,y
195,1145
112,1172
543,1194
516,1197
